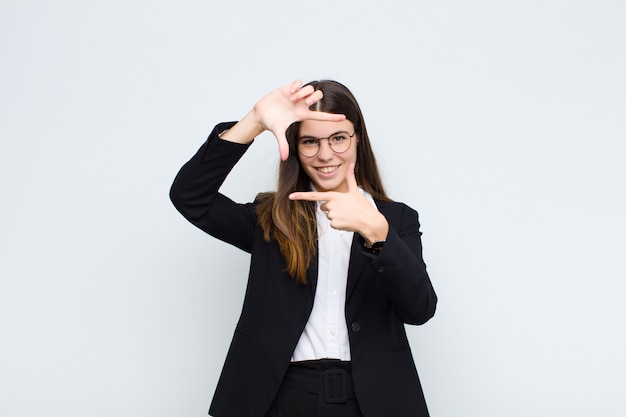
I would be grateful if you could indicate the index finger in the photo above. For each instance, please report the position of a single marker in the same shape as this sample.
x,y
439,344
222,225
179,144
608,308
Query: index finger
x,y
310,196
324,117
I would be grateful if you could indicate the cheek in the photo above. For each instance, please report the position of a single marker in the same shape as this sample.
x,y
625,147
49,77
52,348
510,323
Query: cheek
x,y
352,156
354,149
306,167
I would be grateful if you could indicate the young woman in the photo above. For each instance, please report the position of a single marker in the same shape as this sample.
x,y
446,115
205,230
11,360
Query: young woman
x,y
336,266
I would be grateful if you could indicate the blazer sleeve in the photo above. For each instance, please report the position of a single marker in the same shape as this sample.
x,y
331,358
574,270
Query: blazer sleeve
x,y
402,270
195,194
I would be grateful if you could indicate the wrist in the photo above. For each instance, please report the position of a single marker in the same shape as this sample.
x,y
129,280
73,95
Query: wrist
x,y
245,130
375,247
376,231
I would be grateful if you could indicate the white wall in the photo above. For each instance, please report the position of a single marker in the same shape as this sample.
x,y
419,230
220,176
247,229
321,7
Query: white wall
x,y
501,122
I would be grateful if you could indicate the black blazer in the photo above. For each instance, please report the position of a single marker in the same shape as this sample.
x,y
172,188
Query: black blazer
x,y
383,293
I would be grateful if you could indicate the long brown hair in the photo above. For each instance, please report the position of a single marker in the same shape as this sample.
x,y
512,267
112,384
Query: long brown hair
x,y
293,223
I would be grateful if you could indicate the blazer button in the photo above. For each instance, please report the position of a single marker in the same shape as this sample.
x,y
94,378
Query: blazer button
x,y
381,269
356,327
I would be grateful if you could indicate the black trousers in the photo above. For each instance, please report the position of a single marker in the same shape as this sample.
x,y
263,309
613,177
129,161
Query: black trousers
x,y
321,388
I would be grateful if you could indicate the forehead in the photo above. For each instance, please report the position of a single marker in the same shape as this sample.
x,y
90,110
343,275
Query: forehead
x,y
322,128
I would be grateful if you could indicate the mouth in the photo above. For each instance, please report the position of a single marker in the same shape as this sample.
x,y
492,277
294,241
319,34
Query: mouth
x,y
327,170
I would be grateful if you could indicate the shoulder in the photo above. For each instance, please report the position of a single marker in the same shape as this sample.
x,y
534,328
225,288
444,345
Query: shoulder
x,y
394,207
263,206
401,217
264,198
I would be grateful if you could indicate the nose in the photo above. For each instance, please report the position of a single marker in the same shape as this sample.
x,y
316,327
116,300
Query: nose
x,y
325,153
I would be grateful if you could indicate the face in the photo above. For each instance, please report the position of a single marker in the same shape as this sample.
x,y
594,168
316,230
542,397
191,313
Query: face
x,y
327,170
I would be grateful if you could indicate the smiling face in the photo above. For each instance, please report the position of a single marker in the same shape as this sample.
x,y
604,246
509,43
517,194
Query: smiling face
x,y
327,170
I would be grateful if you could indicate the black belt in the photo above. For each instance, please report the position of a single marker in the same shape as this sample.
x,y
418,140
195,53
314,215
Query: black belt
x,y
327,377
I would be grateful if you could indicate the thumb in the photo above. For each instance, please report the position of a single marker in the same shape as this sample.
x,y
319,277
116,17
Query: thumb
x,y
351,179
283,145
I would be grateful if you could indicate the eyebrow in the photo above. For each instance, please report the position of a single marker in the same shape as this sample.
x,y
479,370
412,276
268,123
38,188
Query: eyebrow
x,y
317,137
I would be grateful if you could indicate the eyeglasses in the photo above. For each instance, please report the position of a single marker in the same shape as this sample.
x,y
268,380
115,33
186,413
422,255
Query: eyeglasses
x,y
339,142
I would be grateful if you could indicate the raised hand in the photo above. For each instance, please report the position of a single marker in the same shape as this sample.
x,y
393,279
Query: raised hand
x,y
290,103
349,211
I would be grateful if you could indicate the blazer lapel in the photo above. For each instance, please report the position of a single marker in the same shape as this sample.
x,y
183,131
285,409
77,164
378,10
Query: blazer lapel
x,y
357,260
357,263
311,273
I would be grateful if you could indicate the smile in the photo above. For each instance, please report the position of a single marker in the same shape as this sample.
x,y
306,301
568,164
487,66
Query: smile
x,y
327,170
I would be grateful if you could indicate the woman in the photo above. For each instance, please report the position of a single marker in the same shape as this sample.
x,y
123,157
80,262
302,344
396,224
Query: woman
x,y
336,266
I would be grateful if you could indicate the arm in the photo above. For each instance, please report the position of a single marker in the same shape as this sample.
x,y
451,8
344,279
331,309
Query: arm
x,y
195,189
402,270
399,265
195,195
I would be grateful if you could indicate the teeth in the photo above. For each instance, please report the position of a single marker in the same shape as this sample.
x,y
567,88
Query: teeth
x,y
327,170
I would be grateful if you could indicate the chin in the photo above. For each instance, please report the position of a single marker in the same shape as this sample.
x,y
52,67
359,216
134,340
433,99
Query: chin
x,y
328,186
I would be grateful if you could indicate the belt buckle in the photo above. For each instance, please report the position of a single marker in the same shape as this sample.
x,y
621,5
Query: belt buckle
x,y
329,396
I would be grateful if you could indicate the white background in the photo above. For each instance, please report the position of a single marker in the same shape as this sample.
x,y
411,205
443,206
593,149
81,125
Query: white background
x,y
501,122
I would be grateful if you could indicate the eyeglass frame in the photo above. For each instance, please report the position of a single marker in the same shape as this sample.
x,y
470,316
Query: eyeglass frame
x,y
319,145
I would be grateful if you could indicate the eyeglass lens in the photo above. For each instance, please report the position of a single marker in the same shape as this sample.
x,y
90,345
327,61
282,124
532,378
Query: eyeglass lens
x,y
339,142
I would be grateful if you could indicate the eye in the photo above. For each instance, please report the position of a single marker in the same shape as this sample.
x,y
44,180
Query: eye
x,y
306,141
339,138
